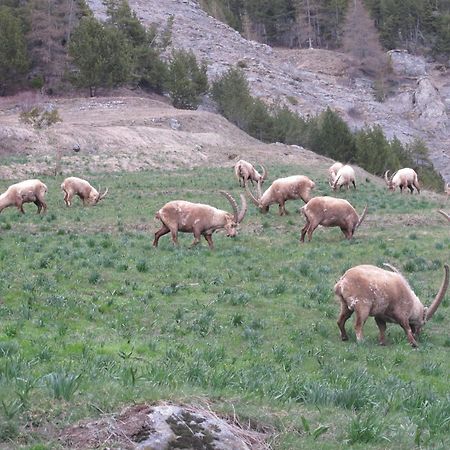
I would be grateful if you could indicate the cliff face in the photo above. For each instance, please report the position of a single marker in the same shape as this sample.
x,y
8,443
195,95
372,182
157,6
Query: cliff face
x,y
418,108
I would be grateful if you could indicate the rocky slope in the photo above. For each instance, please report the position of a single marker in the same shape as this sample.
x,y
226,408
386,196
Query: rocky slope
x,y
315,78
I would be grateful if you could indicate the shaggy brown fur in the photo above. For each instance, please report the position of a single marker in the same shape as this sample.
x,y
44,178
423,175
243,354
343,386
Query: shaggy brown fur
x,y
330,212
28,191
281,190
403,178
199,219
344,176
386,296
245,171
77,186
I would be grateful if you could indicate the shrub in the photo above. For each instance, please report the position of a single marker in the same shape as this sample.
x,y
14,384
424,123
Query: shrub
x,y
187,81
40,117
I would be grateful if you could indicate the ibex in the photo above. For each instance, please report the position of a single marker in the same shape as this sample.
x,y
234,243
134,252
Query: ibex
x,y
244,172
386,296
281,190
330,212
447,190
333,170
25,192
77,186
403,178
344,176
199,219
447,216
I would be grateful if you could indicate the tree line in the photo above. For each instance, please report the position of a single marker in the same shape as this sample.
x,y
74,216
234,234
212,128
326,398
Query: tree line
x,y
96,54
121,50
326,134
417,25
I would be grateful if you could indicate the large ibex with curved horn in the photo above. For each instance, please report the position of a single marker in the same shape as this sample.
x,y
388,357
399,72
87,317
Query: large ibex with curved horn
x,y
386,296
281,190
77,186
330,212
245,171
403,178
199,219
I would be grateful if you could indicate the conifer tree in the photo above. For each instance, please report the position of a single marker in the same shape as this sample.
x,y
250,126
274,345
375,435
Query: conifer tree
x,y
13,52
187,80
101,54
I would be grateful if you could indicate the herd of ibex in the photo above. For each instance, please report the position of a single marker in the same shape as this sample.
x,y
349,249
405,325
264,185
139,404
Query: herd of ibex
x,y
366,290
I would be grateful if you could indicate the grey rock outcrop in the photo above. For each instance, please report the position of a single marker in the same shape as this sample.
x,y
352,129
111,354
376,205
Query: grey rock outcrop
x,y
405,64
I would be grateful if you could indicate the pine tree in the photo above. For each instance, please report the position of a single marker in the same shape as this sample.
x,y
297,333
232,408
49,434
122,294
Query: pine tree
x,y
232,94
187,81
101,54
13,52
147,69
334,137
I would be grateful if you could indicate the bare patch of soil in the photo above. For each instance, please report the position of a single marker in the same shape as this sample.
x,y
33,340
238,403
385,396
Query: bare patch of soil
x,y
109,134
164,426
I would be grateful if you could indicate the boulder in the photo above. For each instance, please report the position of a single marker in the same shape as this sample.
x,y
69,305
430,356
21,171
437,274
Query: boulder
x,y
405,64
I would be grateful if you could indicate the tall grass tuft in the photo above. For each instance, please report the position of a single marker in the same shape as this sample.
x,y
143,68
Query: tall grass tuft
x,y
63,384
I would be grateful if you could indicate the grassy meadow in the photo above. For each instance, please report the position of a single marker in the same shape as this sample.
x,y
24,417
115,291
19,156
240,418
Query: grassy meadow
x,y
93,318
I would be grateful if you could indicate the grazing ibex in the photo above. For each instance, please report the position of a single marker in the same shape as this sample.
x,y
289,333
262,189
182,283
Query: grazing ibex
x,y
447,216
25,192
199,219
333,170
77,186
344,176
330,212
281,190
386,296
244,172
403,178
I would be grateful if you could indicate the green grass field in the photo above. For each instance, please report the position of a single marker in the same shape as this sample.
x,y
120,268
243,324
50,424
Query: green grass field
x,y
93,318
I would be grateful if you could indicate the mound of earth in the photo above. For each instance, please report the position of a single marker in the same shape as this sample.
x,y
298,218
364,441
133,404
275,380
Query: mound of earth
x,y
163,427
129,133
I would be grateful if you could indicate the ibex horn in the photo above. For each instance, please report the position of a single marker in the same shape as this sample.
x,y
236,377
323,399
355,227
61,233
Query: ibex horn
x,y
447,216
264,172
232,203
363,215
391,267
243,210
440,295
252,197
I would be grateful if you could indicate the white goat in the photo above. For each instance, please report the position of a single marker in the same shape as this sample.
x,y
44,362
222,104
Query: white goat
x,y
333,170
403,178
344,176
25,192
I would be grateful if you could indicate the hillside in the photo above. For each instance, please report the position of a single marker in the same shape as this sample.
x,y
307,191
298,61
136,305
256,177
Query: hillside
x,y
127,134
315,79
